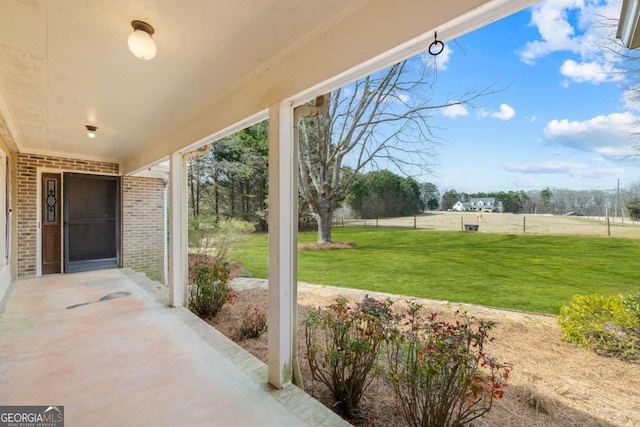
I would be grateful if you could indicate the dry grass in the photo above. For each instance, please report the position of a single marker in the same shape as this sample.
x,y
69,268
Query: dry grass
x,y
553,383
507,223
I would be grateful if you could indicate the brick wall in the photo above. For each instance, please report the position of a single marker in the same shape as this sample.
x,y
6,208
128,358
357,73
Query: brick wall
x,y
142,214
143,233
27,230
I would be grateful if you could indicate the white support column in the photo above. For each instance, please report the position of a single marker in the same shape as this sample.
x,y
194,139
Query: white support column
x,y
178,274
283,236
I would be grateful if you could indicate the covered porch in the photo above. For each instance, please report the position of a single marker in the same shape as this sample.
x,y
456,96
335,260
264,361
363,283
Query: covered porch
x,y
220,67
103,345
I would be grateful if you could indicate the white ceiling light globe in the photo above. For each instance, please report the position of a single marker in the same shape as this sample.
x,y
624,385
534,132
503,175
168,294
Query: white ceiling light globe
x,y
142,45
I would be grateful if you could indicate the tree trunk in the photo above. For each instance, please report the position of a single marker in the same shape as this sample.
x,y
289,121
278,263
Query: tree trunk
x,y
217,200
194,187
324,217
232,197
262,197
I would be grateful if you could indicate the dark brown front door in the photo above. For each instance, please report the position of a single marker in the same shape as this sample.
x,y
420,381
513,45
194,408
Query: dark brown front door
x,y
51,223
91,222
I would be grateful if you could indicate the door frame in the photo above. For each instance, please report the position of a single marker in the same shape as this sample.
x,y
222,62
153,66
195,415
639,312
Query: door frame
x,y
39,172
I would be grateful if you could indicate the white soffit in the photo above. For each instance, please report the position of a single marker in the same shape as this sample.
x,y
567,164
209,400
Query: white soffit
x,y
220,65
292,75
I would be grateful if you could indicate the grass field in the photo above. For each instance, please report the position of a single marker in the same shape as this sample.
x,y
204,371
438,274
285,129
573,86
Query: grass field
x,y
507,223
537,273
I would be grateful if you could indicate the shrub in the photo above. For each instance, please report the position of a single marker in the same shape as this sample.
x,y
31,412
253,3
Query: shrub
x,y
632,304
609,325
343,345
633,206
211,289
254,324
439,370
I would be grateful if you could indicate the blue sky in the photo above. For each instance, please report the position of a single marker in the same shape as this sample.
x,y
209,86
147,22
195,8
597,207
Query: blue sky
x,y
563,119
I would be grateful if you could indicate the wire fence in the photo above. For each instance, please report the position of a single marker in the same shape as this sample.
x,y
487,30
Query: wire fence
x,y
505,223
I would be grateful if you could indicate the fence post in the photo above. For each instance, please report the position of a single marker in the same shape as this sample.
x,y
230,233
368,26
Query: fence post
x,y
414,222
524,224
342,222
608,227
376,222
462,223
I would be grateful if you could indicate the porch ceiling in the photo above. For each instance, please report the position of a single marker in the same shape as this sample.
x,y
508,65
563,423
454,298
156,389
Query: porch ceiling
x,y
65,64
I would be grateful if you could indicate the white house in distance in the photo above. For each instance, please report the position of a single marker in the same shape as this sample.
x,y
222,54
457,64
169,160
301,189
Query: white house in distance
x,y
458,207
484,204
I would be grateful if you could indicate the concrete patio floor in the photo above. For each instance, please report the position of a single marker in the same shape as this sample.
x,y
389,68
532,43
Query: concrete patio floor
x,y
130,360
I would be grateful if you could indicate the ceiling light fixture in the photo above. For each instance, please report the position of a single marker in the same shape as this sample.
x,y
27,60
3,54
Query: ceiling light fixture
x,y
140,42
91,131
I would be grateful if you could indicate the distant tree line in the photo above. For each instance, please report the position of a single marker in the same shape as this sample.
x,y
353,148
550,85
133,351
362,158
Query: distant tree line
x,y
231,181
559,201
379,194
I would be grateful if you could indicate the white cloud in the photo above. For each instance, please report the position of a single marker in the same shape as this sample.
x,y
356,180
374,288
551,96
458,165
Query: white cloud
x,y
525,182
441,61
403,97
347,90
556,32
609,136
397,98
455,111
591,72
576,26
602,173
546,167
506,113
573,169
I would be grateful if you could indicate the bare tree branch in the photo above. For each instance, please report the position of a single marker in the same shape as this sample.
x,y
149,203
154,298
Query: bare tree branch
x,y
385,116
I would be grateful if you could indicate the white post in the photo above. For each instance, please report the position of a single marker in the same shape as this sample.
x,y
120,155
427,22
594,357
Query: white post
x,y
178,274
165,230
283,236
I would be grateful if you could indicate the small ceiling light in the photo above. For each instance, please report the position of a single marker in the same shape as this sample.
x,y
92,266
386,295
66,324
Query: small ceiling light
x,y
91,131
140,42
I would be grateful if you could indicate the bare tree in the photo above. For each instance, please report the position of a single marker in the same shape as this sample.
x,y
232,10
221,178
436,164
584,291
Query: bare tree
x,y
382,117
624,68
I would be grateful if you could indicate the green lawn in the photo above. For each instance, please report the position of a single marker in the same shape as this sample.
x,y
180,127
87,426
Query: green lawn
x,y
522,272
